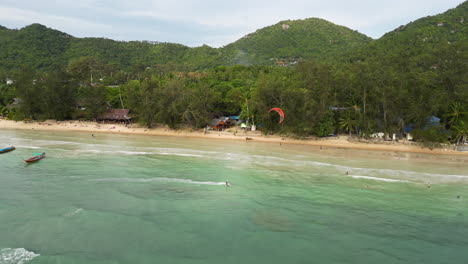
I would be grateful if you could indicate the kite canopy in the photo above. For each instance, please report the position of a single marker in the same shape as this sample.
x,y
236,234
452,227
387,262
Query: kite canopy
x,y
280,112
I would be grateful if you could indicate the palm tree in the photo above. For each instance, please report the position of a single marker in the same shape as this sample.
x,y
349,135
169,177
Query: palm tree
x,y
457,112
460,131
347,123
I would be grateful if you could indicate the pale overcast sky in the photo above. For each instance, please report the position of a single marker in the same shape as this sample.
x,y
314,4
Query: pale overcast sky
x,y
212,22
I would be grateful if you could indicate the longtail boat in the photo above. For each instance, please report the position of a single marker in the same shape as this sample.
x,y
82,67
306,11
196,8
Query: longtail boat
x,y
35,158
5,150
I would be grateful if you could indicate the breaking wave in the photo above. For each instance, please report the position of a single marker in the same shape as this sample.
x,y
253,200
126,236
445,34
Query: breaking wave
x,y
376,179
77,211
29,147
246,159
145,180
16,255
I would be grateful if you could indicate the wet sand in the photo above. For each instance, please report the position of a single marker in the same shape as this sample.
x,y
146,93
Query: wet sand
x,y
335,142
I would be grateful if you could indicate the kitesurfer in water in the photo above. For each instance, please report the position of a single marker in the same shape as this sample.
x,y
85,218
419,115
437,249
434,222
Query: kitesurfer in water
x,y
228,184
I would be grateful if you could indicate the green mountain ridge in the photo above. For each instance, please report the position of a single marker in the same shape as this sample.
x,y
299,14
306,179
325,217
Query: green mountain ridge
x,y
286,42
42,47
311,38
426,36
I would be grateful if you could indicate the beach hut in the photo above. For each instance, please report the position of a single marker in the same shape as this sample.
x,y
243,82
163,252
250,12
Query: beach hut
x,y
220,123
217,124
115,115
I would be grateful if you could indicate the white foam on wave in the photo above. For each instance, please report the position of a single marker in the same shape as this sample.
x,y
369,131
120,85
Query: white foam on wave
x,y
179,154
115,152
123,152
254,160
16,255
132,152
285,161
376,178
145,180
413,175
193,182
57,142
184,152
77,211
29,147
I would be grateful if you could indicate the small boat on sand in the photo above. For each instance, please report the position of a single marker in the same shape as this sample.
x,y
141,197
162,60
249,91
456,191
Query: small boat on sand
x,y
35,158
5,150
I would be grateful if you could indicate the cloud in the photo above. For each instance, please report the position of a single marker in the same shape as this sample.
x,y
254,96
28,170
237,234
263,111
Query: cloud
x,y
67,24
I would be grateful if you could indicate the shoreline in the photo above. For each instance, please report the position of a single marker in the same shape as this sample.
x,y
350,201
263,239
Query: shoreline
x,y
134,129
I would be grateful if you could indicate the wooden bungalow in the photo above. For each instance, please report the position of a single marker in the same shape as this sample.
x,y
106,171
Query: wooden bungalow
x,y
220,123
115,115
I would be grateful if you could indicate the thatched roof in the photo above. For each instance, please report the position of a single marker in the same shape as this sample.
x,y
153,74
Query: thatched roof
x,y
219,121
216,122
115,114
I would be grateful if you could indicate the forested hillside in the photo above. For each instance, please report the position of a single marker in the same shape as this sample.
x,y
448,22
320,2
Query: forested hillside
x,y
292,40
35,45
288,41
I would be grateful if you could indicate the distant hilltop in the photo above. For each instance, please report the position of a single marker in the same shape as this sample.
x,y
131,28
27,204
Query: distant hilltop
x,y
282,44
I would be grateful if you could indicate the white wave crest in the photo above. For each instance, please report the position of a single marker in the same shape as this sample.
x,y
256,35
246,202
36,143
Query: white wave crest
x,y
270,160
193,182
74,212
131,152
16,255
179,154
97,151
376,179
144,180
29,147
123,152
390,173
56,142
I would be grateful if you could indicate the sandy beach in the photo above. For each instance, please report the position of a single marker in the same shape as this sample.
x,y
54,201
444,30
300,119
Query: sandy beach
x,y
230,134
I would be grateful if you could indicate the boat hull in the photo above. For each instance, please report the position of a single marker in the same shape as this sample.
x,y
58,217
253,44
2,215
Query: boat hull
x,y
5,150
34,159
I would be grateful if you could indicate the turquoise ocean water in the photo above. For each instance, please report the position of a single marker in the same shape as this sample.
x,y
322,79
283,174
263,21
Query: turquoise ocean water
x,y
139,199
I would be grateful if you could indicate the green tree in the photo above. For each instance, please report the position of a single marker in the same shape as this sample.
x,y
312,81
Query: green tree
x,y
460,132
142,99
200,103
171,102
457,112
326,125
87,70
57,96
91,101
348,122
27,92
